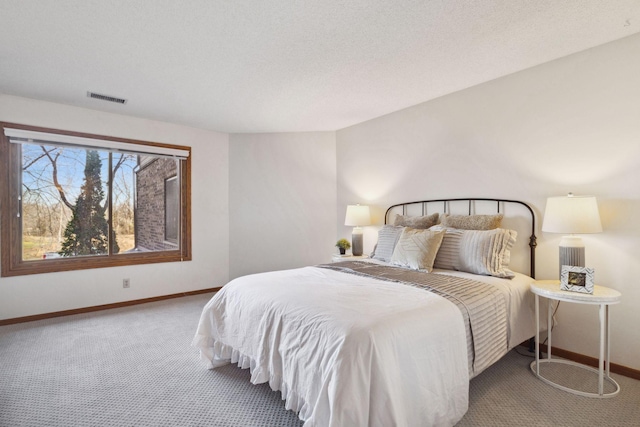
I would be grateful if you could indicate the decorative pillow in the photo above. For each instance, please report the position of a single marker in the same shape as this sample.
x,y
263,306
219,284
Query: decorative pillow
x,y
472,222
486,252
420,222
387,238
417,249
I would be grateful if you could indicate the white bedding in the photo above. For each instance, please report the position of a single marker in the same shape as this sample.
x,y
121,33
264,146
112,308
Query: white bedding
x,y
347,350
344,350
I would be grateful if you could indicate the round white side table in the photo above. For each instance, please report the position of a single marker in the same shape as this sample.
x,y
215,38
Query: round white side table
x,y
604,297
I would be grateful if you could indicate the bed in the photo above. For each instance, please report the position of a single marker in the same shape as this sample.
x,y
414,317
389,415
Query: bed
x,y
390,341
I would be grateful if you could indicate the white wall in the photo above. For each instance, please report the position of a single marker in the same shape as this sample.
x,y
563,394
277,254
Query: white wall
x,y
569,125
44,293
282,200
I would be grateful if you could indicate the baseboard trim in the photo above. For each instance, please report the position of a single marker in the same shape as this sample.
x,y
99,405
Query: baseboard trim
x,y
589,361
102,307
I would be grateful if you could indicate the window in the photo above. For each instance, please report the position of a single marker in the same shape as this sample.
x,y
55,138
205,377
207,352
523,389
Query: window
x,y
75,201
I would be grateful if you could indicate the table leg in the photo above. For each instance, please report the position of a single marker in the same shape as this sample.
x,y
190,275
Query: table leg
x,y
602,340
549,327
608,342
537,335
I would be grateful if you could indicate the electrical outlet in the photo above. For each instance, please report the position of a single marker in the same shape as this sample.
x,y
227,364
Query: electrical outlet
x,y
126,283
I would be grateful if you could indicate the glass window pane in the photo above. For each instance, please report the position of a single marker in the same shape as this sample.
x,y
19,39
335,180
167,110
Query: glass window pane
x,y
123,205
64,202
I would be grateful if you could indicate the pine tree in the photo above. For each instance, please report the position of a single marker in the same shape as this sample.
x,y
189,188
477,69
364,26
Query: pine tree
x,y
87,231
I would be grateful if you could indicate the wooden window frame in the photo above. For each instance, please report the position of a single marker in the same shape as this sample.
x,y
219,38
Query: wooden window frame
x,y
11,263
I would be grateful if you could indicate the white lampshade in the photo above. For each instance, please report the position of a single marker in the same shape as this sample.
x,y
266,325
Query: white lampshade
x,y
572,215
357,216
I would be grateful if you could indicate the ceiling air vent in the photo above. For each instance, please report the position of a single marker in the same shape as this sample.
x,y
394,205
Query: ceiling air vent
x,y
106,98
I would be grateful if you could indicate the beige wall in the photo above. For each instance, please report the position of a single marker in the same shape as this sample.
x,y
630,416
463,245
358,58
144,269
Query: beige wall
x,y
44,293
282,200
569,125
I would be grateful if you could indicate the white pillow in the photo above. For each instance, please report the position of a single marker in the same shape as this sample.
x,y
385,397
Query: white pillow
x,y
417,249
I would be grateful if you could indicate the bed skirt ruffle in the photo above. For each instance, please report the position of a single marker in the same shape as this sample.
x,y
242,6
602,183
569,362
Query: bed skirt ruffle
x,y
216,354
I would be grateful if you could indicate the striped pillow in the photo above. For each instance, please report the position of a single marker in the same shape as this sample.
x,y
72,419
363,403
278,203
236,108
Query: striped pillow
x,y
448,254
486,252
387,238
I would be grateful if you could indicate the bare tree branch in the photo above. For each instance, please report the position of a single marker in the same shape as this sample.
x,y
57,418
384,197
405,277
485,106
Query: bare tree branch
x,y
25,167
54,165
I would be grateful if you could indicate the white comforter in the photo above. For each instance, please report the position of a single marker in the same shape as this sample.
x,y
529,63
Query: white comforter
x,y
344,350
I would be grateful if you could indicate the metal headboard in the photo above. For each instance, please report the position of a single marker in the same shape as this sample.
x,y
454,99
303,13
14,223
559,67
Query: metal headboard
x,y
471,203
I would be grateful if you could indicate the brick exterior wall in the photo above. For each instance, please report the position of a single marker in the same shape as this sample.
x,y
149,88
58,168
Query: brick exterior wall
x,y
150,203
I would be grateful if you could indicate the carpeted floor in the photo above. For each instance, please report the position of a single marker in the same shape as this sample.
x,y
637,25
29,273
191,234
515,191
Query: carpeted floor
x,y
134,366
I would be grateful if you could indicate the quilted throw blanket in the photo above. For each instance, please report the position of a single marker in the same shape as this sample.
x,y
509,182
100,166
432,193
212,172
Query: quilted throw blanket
x,y
483,307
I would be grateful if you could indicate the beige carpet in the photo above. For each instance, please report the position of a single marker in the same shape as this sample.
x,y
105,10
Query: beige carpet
x,y
134,367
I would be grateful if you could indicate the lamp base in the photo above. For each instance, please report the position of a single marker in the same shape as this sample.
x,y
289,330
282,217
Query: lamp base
x,y
571,252
356,242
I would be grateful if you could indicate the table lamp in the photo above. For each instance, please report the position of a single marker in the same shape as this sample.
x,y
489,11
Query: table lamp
x,y
572,215
356,217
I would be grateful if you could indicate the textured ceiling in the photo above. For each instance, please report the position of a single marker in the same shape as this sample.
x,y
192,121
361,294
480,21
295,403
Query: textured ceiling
x,y
285,65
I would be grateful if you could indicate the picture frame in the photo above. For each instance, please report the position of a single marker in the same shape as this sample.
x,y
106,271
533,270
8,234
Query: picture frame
x,y
577,279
